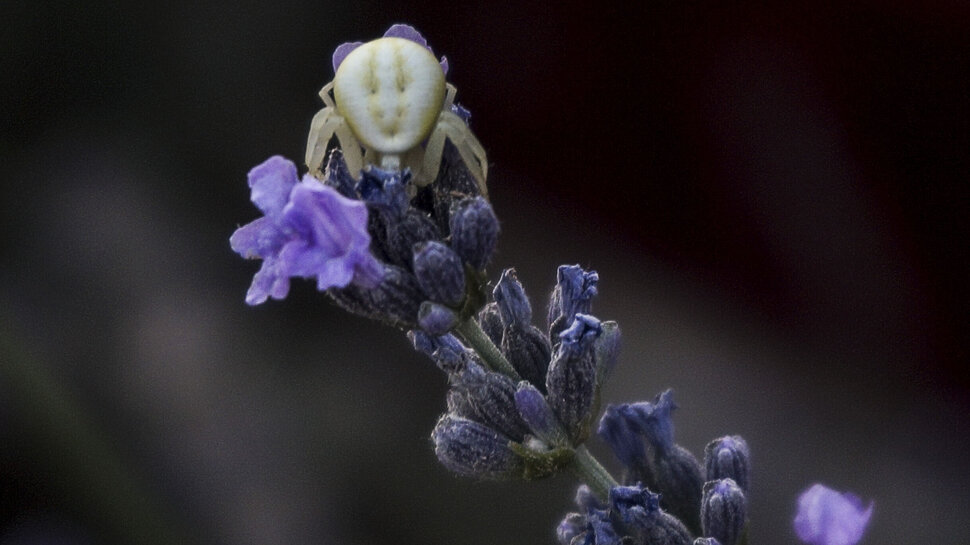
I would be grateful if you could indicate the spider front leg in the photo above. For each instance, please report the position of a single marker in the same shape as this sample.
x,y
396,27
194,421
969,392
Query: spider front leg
x,y
472,153
324,126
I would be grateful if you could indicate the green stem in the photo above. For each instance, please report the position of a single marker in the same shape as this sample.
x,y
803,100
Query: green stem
x,y
591,472
472,333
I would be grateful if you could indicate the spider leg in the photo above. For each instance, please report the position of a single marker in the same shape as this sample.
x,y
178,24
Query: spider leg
x,y
325,125
471,150
450,93
322,128
325,95
351,148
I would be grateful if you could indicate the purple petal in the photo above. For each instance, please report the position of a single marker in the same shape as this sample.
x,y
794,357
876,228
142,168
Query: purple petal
x,y
333,242
268,282
407,32
827,517
259,238
271,183
342,51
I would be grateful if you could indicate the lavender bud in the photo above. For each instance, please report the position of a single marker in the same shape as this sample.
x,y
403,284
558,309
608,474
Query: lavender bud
x,y
573,525
537,414
573,294
627,443
571,380
488,398
491,323
723,511
395,300
402,235
678,476
384,190
513,304
607,350
528,350
446,351
422,342
436,319
439,272
654,420
586,500
474,231
640,512
728,458
471,449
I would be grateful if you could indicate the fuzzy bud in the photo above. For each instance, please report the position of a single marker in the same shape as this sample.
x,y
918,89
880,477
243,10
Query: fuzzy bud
x,y
723,511
574,292
395,300
474,231
513,304
439,273
488,398
728,458
436,319
571,380
537,414
474,450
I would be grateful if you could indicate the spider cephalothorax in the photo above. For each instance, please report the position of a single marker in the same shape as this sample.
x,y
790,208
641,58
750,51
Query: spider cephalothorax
x,y
391,107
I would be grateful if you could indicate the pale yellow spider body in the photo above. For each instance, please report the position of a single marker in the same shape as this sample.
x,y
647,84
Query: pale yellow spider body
x,y
391,107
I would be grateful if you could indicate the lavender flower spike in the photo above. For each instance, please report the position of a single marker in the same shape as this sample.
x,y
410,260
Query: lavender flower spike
x,y
308,230
827,517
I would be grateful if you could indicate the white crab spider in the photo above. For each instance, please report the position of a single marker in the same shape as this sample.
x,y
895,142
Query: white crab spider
x,y
391,99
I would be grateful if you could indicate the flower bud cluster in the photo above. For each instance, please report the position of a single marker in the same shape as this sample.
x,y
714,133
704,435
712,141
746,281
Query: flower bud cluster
x,y
710,498
438,239
536,420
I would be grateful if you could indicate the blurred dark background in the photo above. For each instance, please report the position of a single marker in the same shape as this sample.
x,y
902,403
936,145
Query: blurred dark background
x,y
775,198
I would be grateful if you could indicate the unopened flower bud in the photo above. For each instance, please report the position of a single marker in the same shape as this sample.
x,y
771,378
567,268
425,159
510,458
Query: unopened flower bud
x,y
474,231
723,511
395,300
573,525
527,349
439,273
537,414
728,458
607,350
472,449
640,511
679,481
491,322
488,398
513,304
571,380
574,292
436,318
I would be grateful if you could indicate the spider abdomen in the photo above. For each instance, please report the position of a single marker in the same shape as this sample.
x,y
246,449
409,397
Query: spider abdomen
x,y
390,92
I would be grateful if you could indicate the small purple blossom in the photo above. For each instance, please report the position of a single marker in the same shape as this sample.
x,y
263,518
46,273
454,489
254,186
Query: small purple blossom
x,y
407,32
828,517
307,230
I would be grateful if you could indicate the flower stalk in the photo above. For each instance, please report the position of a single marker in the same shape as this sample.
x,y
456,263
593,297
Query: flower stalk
x,y
472,333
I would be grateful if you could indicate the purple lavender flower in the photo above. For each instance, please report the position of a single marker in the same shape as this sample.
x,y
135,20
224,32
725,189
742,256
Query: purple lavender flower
x,y
407,32
307,230
828,517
